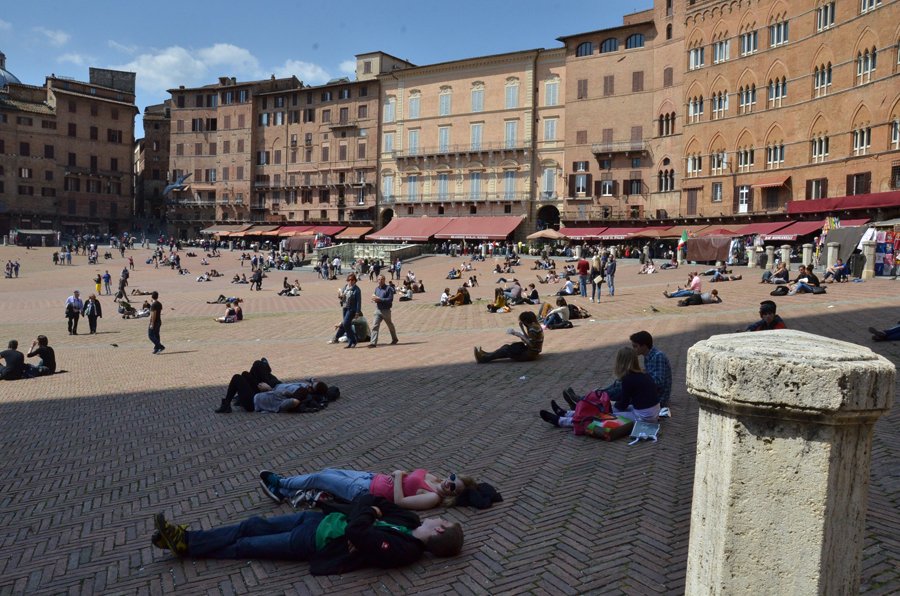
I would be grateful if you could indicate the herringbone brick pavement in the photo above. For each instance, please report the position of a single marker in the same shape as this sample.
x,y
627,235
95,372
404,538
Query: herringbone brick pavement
x,y
89,455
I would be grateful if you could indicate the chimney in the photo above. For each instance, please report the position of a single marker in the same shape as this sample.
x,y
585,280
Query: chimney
x,y
2,60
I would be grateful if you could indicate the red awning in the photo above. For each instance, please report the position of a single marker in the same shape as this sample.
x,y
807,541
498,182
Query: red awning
x,y
617,233
416,229
325,230
797,229
353,233
762,227
714,231
582,233
850,223
294,230
651,232
692,230
480,228
771,182
881,199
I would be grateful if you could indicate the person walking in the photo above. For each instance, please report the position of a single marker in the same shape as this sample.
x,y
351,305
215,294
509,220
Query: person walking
x,y
155,323
97,281
106,279
92,311
383,297
74,305
351,301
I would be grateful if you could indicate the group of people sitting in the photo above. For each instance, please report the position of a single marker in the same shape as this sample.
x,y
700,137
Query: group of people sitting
x,y
460,298
233,312
14,366
207,276
544,263
288,289
240,279
721,273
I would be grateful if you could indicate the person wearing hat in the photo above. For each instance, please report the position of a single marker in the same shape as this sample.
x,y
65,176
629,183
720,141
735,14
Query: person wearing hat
x,y
769,320
73,311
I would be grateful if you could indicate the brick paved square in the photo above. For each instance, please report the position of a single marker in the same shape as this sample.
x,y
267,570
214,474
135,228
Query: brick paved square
x,y
90,455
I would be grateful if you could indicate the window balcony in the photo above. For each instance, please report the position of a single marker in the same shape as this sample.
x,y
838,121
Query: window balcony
x,y
614,147
460,149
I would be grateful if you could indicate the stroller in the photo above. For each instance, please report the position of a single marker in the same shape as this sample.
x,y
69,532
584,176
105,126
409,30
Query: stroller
x,y
127,310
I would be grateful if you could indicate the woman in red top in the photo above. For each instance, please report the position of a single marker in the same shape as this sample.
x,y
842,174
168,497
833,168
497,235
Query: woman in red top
x,y
417,489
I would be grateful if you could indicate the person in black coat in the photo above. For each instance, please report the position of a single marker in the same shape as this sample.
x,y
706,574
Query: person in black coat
x,y
244,386
369,532
92,311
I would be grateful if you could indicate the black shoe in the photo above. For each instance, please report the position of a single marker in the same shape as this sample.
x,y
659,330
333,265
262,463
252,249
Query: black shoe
x,y
551,418
556,409
224,409
269,483
570,397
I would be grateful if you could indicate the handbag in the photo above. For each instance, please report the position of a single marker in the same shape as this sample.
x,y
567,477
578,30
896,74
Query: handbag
x,y
599,280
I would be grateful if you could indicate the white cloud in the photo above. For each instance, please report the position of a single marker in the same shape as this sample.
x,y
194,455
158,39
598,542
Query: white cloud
x,y
5,26
309,73
225,54
55,37
121,47
73,58
348,67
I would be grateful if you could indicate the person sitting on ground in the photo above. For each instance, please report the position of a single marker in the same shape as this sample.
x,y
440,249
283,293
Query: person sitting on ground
x,y
673,264
214,273
236,279
203,260
638,399
204,277
694,286
243,279
514,292
454,274
568,289
461,297
416,489
13,367
647,268
231,316
360,329
497,269
890,334
40,347
472,281
556,316
405,295
805,282
370,532
529,348
768,318
417,287
781,275
183,271
445,298
499,304
698,299
533,296
836,273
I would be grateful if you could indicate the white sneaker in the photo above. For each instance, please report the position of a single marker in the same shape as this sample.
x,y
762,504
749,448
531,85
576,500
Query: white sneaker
x,y
592,299
665,413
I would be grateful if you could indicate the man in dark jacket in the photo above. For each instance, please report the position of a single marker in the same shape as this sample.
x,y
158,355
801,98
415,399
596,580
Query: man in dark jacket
x,y
369,532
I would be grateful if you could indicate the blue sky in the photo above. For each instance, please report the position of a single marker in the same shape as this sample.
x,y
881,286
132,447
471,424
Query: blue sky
x,y
193,43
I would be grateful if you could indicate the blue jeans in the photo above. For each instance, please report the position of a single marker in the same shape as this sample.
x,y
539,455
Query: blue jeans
x,y
582,285
611,284
347,325
893,334
153,334
802,288
553,319
681,294
286,537
343,484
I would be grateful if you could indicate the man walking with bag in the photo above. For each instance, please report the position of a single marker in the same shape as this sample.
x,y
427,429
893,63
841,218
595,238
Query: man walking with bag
x,y
383,297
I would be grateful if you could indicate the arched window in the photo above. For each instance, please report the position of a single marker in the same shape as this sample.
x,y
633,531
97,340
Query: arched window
x,y
669,31
634,41
866,61
609,45
584,49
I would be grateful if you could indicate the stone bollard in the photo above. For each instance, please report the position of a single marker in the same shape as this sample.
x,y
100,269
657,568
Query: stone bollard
x,y
807,254
770,258
646,253
577,251
750,253
786,255
784,443
831,257
869,254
